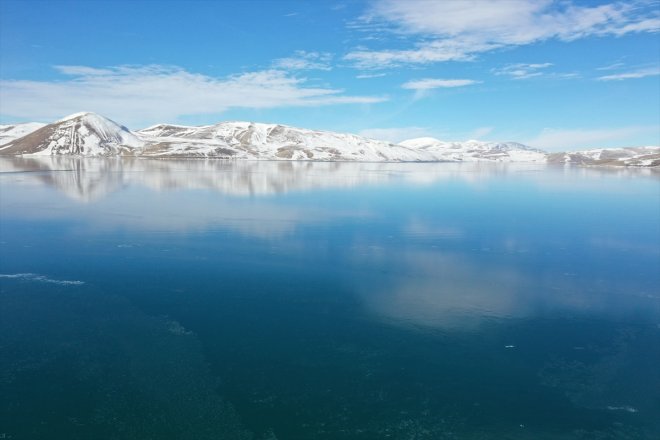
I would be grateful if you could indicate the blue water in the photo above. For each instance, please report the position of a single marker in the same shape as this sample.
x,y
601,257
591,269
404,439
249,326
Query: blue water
x,y
158,299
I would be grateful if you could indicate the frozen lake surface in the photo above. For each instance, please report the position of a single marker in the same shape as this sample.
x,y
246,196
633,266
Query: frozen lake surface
x,y
158,299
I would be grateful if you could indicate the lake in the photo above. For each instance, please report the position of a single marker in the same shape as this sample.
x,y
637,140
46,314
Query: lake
x,y
201,299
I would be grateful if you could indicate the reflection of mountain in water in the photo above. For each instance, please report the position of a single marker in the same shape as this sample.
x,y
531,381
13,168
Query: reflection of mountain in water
x,y
83,180
87,179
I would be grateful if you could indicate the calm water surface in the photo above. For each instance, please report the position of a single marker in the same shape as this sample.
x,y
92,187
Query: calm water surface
x,y
253,300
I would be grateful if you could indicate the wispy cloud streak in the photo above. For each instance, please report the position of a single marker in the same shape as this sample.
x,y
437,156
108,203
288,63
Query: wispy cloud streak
x,y
635,74
141,95
460,30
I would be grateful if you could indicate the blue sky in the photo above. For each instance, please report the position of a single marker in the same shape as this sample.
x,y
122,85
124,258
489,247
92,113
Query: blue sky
x,y
556,75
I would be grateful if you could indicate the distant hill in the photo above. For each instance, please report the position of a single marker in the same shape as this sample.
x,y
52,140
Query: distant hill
x,y
89,134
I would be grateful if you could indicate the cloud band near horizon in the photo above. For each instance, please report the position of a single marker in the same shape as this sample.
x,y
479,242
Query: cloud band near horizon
x,y
142,95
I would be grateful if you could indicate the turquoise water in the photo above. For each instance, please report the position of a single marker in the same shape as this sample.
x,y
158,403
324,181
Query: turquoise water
x,y
255,300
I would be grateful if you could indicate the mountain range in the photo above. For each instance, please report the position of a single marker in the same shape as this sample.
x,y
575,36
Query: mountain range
x,y
89,134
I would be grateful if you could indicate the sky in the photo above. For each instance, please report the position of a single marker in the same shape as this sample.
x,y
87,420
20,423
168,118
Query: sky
x,y
557,75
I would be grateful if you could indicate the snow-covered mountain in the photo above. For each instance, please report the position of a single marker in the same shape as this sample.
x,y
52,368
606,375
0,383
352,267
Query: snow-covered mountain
x,y
81,134
639,156
247,140
476,150
89,134
10,133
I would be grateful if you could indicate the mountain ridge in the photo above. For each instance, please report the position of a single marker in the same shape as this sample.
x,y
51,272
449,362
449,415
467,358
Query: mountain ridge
x,y
88,134
84,134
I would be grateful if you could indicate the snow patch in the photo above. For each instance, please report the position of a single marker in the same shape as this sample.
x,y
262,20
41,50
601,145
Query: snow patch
x,y
73,116
41,279
9,133
629,409
474,150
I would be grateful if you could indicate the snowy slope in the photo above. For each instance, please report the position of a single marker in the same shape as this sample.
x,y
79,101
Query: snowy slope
x,y
472,150
82,134
244,140
88,134
639,156
9,133
247,140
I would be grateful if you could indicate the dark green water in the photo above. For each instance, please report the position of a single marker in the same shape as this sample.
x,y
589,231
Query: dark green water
x,y
210,300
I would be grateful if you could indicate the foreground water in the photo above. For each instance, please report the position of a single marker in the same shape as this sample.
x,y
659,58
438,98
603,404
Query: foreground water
x,y
217,300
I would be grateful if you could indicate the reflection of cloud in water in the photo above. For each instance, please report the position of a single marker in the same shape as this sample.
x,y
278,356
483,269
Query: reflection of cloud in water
x,y
190,211
610,243
460,291
417,227
447,290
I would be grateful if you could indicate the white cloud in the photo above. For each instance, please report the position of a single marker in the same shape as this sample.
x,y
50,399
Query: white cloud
x,y
459,30
370,75
640,73
565,75
577,139
436,83
428,52
141,95
82,70
395,134
303,60
611,66
522,70
480,132
422,87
